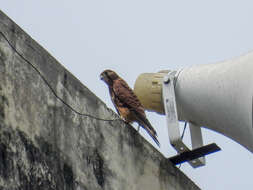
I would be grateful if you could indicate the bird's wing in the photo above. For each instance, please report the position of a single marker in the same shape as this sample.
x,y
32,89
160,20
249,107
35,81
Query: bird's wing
x,y
126,96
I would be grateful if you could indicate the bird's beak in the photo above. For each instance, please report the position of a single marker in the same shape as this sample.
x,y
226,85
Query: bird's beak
x,y
101,77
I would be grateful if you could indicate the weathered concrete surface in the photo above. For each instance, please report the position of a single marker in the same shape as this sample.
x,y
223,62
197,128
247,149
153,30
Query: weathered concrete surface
x,y
45,145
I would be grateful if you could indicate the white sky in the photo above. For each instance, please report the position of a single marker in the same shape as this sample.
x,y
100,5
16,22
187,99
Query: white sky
x,y
132,37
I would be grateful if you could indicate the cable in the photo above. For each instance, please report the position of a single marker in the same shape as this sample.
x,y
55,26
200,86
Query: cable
x,y
182,136
50,87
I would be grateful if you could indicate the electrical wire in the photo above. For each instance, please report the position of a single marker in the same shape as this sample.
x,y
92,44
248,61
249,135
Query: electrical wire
x,y
182,136
50,87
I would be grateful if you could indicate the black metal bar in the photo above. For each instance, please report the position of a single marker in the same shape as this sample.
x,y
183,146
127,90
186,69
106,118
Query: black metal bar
x,y
193,154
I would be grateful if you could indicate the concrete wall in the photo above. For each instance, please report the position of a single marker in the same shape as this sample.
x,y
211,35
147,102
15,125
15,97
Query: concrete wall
x,y
45,145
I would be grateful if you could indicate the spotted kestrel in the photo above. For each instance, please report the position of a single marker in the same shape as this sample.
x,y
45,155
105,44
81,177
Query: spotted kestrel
x,y
126,102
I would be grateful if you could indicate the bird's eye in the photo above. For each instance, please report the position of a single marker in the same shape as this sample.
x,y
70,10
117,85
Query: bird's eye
x,y
107,74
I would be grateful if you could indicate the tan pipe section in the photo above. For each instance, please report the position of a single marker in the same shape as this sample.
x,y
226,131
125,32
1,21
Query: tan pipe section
x,y
148,88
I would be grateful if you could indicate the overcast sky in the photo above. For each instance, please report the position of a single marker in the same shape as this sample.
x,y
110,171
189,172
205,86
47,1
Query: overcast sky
x,y
136,36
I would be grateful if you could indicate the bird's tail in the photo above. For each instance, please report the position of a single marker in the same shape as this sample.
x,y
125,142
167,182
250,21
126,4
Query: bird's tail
x,y
153,136
148,127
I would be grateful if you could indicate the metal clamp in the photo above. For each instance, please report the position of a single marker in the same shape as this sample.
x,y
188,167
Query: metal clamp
x,y
169,100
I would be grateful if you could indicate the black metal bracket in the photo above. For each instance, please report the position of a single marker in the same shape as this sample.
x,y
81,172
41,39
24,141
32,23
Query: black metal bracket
x,y
194,154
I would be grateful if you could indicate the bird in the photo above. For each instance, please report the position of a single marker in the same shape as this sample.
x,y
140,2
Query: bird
x,y
126,103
